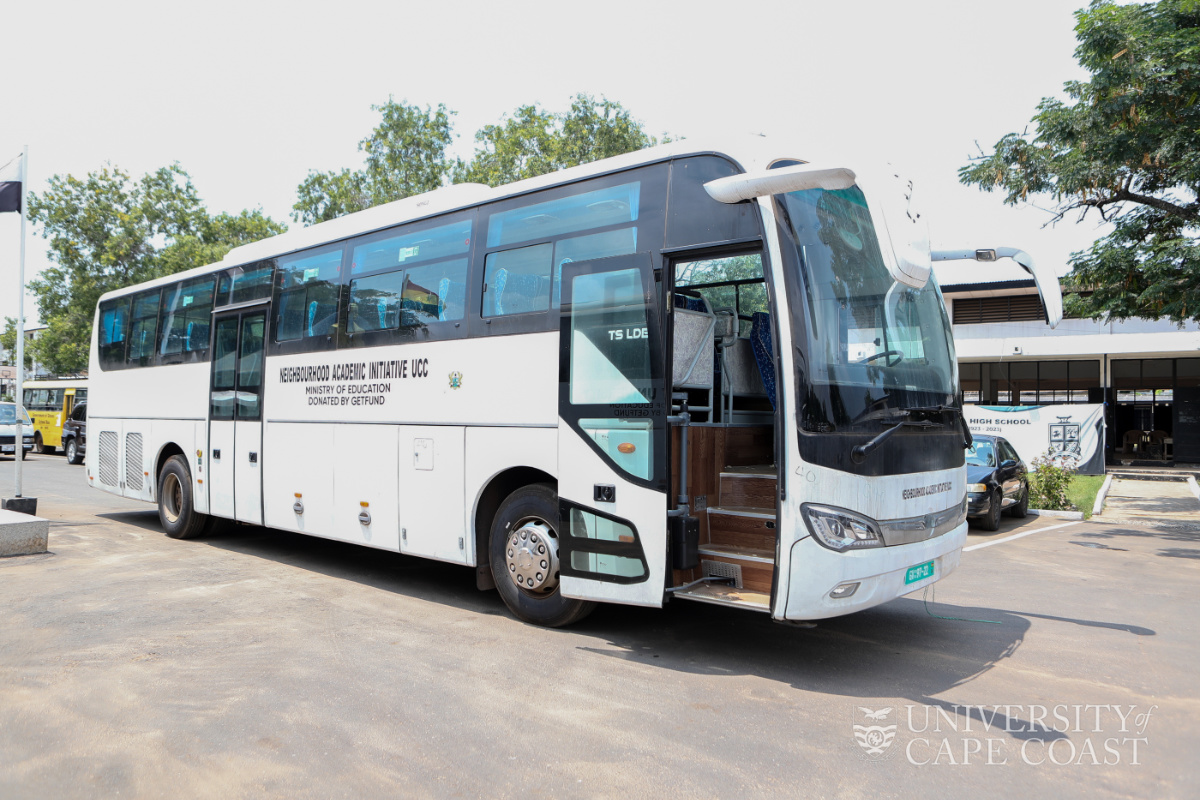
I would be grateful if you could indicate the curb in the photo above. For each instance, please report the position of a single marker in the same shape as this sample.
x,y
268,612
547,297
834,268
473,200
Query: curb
x,y
1102,495
1038,512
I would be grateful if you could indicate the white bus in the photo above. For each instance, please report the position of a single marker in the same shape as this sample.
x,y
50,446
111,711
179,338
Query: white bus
x,y
713,373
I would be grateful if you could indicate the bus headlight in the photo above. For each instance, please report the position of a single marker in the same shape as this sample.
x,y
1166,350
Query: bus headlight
x,y
839,529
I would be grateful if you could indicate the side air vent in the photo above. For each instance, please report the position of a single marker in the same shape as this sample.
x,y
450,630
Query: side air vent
x,y
109,458
133,461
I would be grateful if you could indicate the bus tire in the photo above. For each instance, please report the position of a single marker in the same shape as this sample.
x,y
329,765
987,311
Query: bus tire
x,y
178,516
73,456
530,515
39,447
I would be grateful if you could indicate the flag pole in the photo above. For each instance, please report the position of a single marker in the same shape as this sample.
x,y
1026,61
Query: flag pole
x,y
19,450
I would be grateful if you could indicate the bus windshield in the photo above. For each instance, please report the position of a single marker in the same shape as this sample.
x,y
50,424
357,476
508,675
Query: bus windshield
x,y
868,342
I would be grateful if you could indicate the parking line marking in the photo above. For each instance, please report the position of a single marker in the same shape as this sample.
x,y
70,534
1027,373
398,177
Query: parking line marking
x,y
1019,535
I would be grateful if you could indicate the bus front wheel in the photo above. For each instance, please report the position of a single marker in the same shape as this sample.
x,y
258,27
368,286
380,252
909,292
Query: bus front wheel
x,y
175,510
524,556
40,447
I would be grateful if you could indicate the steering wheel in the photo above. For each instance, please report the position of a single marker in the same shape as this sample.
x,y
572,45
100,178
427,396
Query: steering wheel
x,y
889,353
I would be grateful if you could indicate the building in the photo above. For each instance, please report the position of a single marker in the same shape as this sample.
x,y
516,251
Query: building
x,y
1146,372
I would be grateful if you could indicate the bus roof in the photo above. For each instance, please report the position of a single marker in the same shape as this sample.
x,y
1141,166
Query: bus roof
x,y
749,151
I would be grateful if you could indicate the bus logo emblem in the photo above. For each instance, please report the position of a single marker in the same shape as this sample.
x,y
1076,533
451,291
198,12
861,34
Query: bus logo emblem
x,y
455,380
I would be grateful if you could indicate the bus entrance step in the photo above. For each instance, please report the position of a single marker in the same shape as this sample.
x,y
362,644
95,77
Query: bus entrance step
x,y
747,569
739,526
750,487
722,595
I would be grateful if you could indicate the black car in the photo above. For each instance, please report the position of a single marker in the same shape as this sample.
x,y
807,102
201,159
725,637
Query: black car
x,y
997,480
74,435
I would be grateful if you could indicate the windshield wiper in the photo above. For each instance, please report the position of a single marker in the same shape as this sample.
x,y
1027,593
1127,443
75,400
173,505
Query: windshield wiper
x,y
968,440
860,452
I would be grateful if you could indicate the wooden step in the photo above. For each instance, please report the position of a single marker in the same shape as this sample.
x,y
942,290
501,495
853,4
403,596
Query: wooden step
x,y
751,528
752,572
746,488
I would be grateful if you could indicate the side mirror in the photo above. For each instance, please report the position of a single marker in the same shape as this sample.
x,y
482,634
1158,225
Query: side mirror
x,y
1047,282
1007,464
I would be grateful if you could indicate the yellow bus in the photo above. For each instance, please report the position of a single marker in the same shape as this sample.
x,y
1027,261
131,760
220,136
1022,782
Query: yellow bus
x,y
49,403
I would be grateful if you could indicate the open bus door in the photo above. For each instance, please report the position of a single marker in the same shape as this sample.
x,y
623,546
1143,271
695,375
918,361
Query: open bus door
x,y
612,433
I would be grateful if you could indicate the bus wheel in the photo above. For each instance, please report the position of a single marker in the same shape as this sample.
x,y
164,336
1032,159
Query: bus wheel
x,y
524,556
179,519
38,447
73,456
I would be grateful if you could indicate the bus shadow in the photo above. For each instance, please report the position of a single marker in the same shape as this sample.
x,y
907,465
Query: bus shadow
x,y
898,649
904,648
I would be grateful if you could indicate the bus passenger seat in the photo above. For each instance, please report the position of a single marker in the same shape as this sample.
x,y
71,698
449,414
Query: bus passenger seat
x,y
451,299
760,340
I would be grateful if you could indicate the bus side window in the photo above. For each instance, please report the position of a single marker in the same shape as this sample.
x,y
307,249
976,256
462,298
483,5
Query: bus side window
x,y
114,321
307,307
517,281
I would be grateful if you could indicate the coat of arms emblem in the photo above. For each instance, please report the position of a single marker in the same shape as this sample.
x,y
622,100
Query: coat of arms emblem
x,y
455,380
875,739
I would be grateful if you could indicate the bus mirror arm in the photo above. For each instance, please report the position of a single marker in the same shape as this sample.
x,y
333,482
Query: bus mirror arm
x,y
1047,282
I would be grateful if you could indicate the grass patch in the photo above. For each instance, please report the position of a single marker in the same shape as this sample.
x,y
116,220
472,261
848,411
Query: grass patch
x,y
1082,492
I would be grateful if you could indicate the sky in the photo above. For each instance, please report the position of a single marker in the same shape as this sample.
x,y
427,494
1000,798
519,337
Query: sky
x,y
249,96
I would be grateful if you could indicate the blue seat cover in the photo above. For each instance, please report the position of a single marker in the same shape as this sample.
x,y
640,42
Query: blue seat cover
x,y
760,343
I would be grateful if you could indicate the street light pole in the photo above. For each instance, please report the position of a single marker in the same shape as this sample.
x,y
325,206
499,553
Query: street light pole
x,y
19,450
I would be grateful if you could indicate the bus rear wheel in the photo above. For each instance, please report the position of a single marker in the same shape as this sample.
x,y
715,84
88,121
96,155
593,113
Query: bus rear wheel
x,y
176,512
524,557
40,447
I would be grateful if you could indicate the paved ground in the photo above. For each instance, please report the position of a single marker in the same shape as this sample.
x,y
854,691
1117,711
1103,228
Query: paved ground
x,y
261,664
1166,501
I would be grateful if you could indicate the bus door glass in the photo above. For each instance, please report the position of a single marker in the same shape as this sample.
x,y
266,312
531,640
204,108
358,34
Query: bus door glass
x,y
612,454
235,417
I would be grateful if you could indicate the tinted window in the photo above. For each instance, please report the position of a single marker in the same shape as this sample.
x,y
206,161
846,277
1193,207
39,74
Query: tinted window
x,y
186,315
308,295
596,209
143,329
80,413
114,327
517,281
243,284
445,241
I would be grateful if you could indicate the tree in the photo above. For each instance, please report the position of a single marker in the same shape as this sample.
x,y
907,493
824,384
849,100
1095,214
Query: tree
x,y
534,142
405,155
108,231
1126,147
8,344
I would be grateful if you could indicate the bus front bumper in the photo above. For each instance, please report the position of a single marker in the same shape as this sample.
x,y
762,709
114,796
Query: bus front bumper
x,y
882,574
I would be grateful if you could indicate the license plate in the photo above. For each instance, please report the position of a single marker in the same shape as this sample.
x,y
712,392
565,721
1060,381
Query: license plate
x,y
919,573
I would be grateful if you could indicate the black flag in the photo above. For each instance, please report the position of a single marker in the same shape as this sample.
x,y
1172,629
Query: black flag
x,y
10,186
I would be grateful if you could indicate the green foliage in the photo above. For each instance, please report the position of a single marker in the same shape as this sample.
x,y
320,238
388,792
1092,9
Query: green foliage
x,y
1049,483
405,155
108,231
1125,147
534,142
8,343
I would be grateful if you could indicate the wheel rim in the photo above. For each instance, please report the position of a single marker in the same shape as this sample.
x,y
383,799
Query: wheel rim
x,y
37,445
531,557
172,497
71,450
